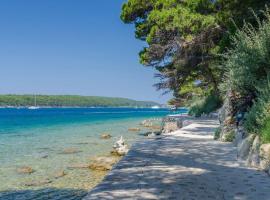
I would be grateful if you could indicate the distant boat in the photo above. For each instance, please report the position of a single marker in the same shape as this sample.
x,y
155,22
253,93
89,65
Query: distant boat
x,y
155,107
35,106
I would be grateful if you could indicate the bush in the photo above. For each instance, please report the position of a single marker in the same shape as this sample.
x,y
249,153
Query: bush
x,y
229,137
257,116
205,106
265,132
248,70
217,133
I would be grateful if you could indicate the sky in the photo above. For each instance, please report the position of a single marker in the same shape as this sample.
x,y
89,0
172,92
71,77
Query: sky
x,y
76,47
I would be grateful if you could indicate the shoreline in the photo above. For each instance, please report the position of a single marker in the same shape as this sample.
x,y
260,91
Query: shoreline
x,y
184,164
44,154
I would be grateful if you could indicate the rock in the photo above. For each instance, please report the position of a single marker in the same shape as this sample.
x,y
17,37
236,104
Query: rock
x,y
38,183
134,129
59,174
79,166
25,170
171,126
244,147
151,132
70,151
265,157
105,136
238,136
253,157
120,148
146,123
155,127
44,156
227,132
102,163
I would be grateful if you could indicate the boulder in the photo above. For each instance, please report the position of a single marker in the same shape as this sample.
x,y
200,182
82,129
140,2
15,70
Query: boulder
x,y
152,132
79,166
105,136
70,150
134,129
38,183
120,148
244,148
146,123
103,163
155,127
253,157
265,157
25,170
59,174
170,126
238,136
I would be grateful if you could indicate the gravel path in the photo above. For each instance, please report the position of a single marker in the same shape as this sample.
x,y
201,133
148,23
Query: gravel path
x,y
187,164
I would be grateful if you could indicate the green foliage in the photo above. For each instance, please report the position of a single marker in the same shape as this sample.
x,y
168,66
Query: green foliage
x,y
257,116
70,101
217,133
248,70
265,131
229,137
205,105
248,62
177,36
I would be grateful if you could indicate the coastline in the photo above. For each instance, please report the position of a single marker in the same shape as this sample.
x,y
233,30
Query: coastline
x,y
62,151
184,164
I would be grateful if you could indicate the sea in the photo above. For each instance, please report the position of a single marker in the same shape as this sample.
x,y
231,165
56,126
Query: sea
x,y
51,141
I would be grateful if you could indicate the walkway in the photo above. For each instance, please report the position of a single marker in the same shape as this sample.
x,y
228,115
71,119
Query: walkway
x,y
187,164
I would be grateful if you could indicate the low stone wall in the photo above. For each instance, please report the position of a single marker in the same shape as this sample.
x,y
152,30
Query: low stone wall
x,y
250,149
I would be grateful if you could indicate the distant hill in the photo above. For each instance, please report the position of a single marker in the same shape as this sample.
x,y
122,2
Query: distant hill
x,y
71,101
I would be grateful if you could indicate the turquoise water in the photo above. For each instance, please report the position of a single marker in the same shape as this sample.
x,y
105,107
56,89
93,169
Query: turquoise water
x,y
39,138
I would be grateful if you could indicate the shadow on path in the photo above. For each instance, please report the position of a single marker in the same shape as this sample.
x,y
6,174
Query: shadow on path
x,y
177,167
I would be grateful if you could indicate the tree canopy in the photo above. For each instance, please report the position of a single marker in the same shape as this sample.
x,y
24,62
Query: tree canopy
x,y
185,37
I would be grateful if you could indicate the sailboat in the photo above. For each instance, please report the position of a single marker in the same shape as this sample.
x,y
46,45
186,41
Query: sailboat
x,y
35,106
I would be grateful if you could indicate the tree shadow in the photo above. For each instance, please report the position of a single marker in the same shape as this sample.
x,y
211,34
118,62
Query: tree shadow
x,y
182,168
43,194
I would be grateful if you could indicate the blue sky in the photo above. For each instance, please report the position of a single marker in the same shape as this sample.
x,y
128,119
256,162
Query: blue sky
x,y
71,47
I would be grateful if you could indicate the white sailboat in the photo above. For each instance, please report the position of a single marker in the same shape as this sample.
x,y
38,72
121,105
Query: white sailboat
x,y
35,106
155,107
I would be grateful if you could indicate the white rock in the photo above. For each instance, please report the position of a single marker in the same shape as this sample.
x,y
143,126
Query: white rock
x,y
253,157
265,157
244,147
120,147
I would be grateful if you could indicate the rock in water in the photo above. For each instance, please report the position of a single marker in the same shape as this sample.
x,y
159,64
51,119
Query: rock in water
x,y
120,148
38,183
105,136
70,151
59,174
134,129
25,170
103,163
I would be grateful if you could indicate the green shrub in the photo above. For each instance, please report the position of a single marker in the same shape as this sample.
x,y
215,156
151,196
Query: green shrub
x,y
205,105
247,67
217,133
229,137
265,132
257,116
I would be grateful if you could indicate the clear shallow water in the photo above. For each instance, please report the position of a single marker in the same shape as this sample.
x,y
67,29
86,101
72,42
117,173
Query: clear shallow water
x,y
37,138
